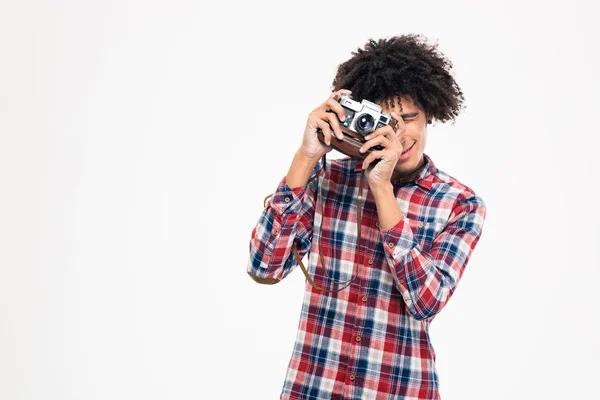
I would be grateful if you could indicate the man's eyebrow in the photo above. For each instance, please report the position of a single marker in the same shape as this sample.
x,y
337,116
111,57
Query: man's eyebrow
x,y
409,115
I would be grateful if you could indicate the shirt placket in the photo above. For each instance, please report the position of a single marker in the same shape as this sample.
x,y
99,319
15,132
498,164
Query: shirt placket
x,y
359,296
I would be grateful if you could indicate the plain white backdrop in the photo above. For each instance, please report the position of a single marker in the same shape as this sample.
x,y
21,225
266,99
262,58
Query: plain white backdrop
x,y
138,140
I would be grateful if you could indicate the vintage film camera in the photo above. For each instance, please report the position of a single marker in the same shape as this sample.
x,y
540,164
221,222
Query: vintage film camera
x,y
361,119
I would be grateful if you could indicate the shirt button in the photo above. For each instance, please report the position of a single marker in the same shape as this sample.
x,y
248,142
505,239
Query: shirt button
x,y
377,224
370,261
401,280
358,338
390,244
352,377
364,298
287,199
275,233
420,224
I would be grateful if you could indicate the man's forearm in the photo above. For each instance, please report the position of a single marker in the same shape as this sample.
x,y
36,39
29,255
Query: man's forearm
x,y
388,211
300,170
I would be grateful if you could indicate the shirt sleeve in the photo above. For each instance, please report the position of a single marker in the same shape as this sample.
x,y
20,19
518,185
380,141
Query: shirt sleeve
x,y
286,220
427,279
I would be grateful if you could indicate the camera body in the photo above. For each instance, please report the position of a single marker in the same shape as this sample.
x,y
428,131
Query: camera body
x,y
364,117
361,119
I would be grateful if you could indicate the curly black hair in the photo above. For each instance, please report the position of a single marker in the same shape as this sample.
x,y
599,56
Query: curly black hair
x,y
400,66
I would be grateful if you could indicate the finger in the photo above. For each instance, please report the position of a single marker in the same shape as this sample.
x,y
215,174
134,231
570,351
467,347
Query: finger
x,y
339,92
326,130
384,141
400,125
332,103
335,124
386,131
336,107
372,156
335,95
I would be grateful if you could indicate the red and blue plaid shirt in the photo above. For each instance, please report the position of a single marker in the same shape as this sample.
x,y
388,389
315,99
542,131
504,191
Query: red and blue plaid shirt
x,y
370,340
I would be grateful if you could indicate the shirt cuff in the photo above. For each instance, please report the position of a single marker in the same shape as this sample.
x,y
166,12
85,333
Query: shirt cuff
x,y
286,199
399,240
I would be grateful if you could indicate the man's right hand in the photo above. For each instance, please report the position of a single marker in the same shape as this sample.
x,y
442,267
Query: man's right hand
x,y
323,117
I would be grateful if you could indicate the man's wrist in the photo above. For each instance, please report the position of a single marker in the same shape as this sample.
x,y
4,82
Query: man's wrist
x,y
382,189
309,160
300,170
388,211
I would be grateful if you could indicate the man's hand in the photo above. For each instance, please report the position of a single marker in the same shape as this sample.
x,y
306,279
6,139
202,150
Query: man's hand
x,y
381,174
326,118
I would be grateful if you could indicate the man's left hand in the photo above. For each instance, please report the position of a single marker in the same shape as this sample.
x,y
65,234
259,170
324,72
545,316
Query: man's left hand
x,y
381,174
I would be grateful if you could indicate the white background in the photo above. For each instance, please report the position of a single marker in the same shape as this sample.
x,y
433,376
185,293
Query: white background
x,y
139,138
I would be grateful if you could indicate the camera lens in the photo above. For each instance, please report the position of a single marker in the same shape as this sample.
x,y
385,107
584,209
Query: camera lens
x,y
365,124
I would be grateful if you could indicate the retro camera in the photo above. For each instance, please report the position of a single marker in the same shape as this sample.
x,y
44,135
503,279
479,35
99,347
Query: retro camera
x,y
361,119
364,117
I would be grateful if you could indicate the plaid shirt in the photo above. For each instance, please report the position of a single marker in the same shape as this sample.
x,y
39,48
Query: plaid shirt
x,y
370,340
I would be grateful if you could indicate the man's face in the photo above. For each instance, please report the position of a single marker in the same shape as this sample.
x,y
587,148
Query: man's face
x,y
415,135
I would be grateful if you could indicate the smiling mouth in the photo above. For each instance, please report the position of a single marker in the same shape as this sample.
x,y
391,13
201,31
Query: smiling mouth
x,y
408,148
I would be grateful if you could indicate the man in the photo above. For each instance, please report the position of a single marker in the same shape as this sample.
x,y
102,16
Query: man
x,y
418,228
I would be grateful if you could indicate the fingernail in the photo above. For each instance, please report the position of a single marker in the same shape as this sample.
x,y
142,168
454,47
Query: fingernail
x,y
368,137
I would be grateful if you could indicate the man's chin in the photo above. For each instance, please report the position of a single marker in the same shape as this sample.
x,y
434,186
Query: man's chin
x,y
404,167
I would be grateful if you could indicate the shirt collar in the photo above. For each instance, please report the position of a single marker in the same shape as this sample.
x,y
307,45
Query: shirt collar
x,y
425,177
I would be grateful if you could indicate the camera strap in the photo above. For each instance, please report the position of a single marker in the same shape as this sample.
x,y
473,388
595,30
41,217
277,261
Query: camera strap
x,y
359,223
